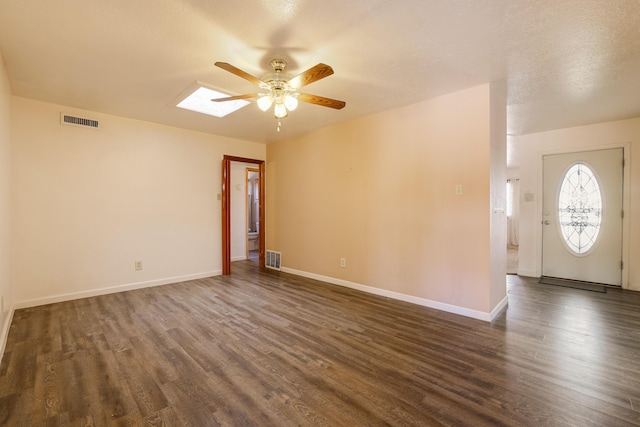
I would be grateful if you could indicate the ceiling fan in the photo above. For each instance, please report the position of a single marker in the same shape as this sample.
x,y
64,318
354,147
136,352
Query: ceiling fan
x,y
281,90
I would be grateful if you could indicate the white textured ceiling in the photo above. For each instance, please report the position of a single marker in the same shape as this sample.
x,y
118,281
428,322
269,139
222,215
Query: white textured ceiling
x,y
564,63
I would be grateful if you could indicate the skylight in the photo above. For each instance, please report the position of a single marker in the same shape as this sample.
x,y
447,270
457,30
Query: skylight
x,y
200,101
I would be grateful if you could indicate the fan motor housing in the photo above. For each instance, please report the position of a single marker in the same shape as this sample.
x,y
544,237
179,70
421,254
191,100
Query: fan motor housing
x,y
278,65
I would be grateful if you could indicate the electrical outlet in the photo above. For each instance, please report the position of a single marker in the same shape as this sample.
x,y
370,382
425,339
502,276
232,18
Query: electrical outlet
x,y
138,265
459,190
343,262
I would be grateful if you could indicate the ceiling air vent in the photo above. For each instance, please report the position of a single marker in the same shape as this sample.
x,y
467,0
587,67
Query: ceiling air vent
x,y
69,120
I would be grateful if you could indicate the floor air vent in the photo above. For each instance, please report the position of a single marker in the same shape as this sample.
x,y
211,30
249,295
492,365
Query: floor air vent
x,y
273,260
84,122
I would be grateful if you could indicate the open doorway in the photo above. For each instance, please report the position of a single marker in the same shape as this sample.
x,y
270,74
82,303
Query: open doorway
x,y
252,194
226,210
513,220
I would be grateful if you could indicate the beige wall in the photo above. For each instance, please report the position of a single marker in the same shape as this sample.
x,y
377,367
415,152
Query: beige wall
x,y
88,203
6,294
530,148
380,192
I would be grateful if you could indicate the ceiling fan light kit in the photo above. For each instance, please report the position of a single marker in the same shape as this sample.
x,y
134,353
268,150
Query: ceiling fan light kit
x,y
281,90
280,111
264,102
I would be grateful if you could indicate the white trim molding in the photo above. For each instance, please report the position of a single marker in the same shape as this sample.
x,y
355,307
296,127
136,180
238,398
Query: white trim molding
x,y
4,334
113,289
449,308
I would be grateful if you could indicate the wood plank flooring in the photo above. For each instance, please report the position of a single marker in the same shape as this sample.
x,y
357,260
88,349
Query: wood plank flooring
x,y
271,349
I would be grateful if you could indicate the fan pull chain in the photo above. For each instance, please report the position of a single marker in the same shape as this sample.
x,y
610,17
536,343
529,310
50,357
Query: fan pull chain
x,y
278,128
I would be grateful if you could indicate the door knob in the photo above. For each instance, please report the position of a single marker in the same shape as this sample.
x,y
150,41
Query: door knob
x,y
546,222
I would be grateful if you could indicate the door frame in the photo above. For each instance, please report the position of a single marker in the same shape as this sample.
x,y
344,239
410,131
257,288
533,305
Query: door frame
x,y
226,210
626,179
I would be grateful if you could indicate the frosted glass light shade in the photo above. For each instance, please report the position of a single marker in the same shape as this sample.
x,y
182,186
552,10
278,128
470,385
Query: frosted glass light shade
x,y
290,102
280,111
264,102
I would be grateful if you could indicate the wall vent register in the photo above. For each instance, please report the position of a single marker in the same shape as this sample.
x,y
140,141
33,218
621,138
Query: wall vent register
x,y
273,260
69,120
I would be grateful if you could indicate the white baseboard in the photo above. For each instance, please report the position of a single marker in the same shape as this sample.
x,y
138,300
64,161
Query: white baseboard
x,y
4,334
498,308
113,289
528,273
238,258
475,314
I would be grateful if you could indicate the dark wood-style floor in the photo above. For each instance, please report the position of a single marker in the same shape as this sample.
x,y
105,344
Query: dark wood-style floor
x,y
267,348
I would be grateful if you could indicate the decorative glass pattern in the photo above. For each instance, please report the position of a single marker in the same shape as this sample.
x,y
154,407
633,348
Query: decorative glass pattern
x,y
580,208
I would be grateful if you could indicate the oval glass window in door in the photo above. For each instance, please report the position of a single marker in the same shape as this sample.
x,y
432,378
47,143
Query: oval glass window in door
x,y
580,208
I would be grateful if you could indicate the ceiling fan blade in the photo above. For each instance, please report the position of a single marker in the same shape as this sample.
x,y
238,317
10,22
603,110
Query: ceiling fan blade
x,y
238,72
313,74
321,100
233,98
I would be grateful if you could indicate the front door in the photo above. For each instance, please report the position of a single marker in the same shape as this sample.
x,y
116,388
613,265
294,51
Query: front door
x,y
582,216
